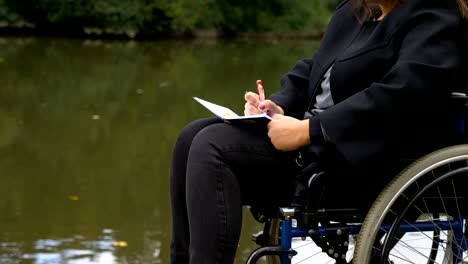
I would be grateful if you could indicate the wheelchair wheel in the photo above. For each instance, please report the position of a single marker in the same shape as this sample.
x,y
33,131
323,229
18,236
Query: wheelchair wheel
x,y
419,216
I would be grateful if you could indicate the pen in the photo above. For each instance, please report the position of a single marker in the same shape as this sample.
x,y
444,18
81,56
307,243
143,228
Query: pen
x,y
261,92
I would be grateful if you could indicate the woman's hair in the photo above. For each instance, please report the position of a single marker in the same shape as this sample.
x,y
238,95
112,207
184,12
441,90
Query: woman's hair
x,y
365,5
365,9
463,5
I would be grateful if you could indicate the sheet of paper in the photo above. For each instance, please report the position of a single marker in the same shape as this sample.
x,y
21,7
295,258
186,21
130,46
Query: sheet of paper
x,y
226,113
220,111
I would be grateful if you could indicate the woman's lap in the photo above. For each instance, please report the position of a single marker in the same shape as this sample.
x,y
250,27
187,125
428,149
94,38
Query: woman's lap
x,y
216,168
219,167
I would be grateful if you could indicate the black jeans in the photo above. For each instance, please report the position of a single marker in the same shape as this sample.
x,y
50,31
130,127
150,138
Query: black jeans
x,y
216,168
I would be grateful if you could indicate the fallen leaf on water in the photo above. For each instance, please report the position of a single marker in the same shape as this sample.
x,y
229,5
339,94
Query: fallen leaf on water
x,y
119,244
73,197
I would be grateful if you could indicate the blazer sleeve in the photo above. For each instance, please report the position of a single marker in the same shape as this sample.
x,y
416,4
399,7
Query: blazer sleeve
x,y
292,96
371,123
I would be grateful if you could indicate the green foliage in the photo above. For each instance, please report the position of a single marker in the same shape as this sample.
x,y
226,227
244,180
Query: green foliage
x,y
265,15
164,16
6,14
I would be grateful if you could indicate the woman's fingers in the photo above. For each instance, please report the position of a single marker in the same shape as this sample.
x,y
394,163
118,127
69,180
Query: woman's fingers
x,y
270,107
252,98
250,109
253,105
252,101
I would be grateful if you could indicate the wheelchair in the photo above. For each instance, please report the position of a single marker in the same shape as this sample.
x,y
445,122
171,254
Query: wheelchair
x,y
419,217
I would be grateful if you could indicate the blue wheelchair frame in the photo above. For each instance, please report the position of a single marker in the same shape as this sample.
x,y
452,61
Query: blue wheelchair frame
x,y
288,232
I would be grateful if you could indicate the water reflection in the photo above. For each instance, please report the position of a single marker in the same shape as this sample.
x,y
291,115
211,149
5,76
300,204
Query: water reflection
x,y
72,250
86,131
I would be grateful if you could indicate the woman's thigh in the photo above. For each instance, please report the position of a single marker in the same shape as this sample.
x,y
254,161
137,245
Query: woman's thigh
x,y
263,173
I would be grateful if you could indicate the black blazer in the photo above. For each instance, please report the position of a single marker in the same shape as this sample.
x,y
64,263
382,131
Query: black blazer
x,y
390,82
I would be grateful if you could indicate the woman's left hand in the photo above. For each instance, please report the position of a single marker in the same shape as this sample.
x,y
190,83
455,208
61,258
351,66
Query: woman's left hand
x,y
288,133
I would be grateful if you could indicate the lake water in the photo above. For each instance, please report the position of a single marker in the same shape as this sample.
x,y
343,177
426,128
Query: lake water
x,y
86,132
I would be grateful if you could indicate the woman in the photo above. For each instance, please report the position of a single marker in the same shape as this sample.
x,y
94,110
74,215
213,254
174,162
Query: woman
x,y
377,90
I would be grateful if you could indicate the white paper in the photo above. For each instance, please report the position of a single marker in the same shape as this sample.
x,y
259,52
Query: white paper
x,y
226,113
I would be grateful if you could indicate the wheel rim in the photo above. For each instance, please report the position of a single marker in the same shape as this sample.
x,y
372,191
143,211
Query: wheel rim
x,y
444,160
439,249
415,178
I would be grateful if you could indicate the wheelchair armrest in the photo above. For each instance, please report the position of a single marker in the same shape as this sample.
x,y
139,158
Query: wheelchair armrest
x,y
459,95
460,99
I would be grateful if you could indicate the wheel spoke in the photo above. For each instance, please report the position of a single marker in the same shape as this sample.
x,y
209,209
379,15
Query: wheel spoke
x,y
459,214
450,224
397,251
432,220
422,212
398,257
405,245
424,196
414,249
422,232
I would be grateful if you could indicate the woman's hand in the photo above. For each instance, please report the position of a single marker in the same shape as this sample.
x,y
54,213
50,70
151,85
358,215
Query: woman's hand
x,y
253,105
288,133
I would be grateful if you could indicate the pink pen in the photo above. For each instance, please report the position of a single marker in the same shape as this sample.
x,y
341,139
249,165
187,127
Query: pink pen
x,y
261,92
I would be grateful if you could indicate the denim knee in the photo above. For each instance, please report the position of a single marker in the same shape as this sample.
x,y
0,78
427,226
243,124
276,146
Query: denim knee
x,y
188,133
213,137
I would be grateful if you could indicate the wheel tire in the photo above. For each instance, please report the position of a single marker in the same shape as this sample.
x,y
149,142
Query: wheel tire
x,y
382,205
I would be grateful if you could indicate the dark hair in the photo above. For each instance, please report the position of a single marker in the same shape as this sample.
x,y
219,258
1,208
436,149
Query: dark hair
x,y
363,8
463,5
370,11
366,8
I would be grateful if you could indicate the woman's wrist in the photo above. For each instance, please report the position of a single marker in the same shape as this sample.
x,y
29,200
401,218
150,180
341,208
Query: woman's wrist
x,y
304,132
